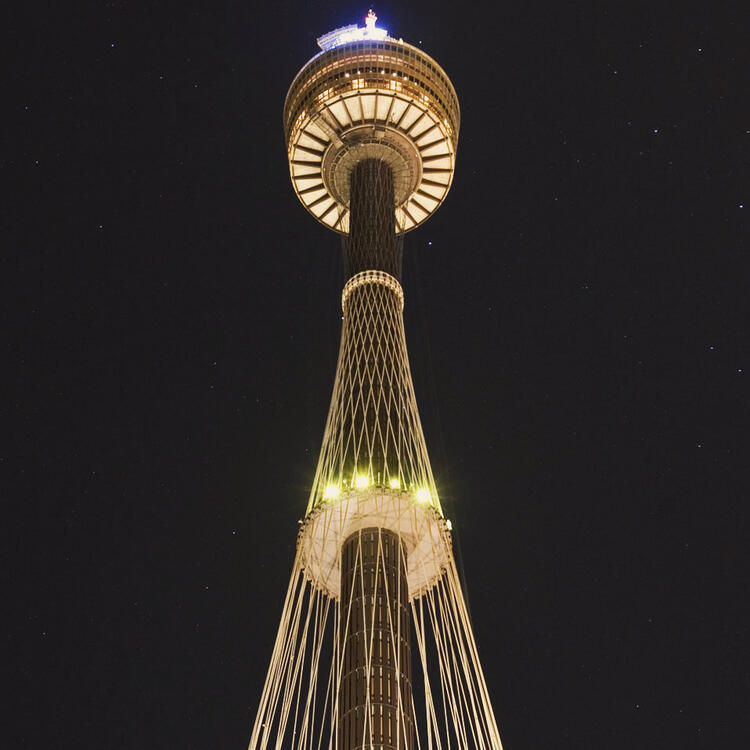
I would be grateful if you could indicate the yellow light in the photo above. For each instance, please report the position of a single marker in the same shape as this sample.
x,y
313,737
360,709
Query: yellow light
x,y
423,496
395,484
331,491
362,481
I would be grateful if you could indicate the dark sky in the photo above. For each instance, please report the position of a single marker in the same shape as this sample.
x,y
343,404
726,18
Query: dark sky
x,y
577,317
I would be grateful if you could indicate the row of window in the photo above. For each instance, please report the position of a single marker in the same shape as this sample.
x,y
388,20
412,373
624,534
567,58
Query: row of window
x,y
358,82
388,47
402,51
331,60
414,74
355,80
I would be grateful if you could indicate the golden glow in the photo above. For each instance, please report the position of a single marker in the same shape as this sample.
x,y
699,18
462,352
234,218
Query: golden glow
x,y
352,33
395,484
331,491
362,481
423,496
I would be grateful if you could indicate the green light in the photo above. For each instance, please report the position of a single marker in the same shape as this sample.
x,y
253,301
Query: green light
x,y
423,496
331,491
362,481
395,484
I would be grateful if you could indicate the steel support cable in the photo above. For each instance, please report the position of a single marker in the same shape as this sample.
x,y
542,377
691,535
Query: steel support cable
x,y
308,717
300,661
395,643
445,697
453,578
294,681
457,675
483,718
281,675
418,613
289,700
343,637
454,639
462,671
430,715
278,644
314,704
328,695
279,649
314,604
335,667
368,650
464,633
448,697
477,669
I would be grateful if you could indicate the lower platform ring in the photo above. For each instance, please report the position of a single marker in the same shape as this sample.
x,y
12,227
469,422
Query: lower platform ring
x,y
423,531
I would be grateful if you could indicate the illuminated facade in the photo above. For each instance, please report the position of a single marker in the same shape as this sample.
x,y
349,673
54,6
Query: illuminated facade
x,y
375,648
380,98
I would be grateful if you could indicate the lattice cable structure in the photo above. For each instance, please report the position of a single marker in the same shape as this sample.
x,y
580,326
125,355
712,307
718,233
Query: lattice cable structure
x,y
375,647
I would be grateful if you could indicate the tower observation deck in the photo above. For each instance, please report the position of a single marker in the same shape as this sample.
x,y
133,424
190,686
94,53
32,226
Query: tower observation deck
x,y
368,96
374,607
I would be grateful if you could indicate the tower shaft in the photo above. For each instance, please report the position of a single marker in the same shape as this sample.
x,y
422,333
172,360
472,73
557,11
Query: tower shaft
x,y
375,623
371,125
374,612
372,243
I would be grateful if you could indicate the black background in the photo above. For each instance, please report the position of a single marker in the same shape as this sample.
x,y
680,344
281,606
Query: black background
x,y
576,314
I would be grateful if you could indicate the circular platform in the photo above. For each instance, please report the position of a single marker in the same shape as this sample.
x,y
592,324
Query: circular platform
x,y
423,531
371,99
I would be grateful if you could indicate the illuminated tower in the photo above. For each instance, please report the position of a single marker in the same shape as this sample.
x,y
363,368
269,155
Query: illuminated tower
x,y
375,648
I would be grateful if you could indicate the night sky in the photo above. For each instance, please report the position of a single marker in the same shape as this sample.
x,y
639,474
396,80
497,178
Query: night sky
x,y
577,319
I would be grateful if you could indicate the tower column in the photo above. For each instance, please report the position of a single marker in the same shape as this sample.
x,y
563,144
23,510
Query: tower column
x,y
375,699
372,150
372,244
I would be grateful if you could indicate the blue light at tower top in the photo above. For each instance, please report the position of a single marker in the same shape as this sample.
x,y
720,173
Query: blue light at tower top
x,y
352,33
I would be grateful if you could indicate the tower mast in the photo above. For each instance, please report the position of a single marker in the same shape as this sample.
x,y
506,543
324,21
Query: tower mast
x,y
371,125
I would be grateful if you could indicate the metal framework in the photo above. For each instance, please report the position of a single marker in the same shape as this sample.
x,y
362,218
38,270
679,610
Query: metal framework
x,y
375,649
313,674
